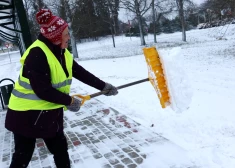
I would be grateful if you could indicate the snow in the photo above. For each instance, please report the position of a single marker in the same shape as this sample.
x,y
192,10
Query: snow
x,y
2,164
178,82
201,80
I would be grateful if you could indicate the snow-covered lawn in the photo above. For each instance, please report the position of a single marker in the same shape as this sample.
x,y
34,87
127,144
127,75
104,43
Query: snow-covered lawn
x,y
207,128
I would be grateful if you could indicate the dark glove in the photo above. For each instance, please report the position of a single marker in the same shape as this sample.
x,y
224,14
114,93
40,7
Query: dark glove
x,y
75,105
112,90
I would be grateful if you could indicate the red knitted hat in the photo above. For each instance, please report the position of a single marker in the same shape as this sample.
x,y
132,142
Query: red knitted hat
x,y
51,26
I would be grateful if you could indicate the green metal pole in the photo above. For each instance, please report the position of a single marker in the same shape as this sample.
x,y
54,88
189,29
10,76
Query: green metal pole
x,y
23,23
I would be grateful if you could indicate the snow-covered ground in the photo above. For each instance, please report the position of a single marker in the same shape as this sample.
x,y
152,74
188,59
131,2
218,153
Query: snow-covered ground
x,y
207,62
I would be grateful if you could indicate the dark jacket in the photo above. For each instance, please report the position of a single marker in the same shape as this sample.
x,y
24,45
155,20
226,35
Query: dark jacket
x,y
44,124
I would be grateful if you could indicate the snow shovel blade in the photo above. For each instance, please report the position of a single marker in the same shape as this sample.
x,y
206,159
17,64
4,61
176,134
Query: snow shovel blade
x,y
156,75
88,97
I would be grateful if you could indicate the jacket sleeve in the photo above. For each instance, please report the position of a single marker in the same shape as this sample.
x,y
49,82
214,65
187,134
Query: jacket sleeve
x,y
86,77
36,69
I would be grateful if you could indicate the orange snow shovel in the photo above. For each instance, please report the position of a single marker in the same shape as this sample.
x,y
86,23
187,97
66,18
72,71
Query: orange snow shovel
x,y
155,76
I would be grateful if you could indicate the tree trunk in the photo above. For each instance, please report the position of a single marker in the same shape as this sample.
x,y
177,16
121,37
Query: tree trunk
x,y
111,28
116,8
73,43
65,13
112,22
141,30
154,22
182,19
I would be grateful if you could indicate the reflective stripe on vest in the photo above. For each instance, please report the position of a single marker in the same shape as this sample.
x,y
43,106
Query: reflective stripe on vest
x,y
34,96
25,96
56,86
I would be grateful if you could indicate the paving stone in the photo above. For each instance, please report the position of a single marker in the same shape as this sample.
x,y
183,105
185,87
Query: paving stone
x,y
76,161
139,160
135,149
101,127
111,136
95,141
73,125
89,135
120,155
102,137
40,144
43,157
107,166
34,158
75,156
86,122
119,166
122,145
115,150
4,159
144,144
70,146
97,156
133,155
127,161
144,156
108,155
132,166
94,150
87,142
84,128
108,133
121,136
74,138
78,135
127,132
76,143
97,124
129,141
83,138
92,120
113,161
42,151
127,149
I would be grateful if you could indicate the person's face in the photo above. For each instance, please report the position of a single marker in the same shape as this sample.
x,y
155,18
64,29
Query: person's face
x,y
65,38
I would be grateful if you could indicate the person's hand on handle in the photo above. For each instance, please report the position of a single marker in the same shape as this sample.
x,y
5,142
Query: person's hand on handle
x,y
112,90
75,105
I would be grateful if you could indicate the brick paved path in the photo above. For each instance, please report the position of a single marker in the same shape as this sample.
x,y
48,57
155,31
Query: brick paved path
x,y
103,138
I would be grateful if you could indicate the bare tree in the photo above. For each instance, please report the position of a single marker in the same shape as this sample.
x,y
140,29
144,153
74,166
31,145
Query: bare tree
x,y
160,8
154,21
180,5
65,10
113,7
112,21
28,6
139,8
109,14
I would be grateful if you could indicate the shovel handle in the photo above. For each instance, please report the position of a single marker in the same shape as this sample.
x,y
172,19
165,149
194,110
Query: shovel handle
x,y
88,97
119,87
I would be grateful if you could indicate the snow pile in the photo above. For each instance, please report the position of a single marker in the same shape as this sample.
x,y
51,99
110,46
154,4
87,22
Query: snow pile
x,y
177,81
2,164
176,157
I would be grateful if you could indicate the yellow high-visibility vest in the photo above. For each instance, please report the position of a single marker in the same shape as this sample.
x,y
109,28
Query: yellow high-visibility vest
x,y
23,97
